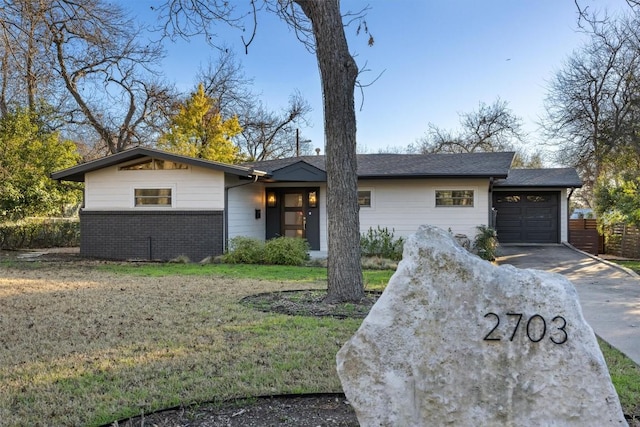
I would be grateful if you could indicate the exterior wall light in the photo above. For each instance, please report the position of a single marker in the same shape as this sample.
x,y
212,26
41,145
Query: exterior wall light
x,y
271,199
313,200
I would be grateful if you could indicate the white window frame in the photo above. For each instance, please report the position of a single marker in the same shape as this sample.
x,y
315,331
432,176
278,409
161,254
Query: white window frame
x,y
171,187
371,198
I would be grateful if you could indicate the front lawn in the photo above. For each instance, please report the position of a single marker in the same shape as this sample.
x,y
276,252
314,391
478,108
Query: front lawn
x,y
86,344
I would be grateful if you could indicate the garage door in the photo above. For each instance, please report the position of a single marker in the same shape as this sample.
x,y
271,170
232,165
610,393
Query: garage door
x,y
527,217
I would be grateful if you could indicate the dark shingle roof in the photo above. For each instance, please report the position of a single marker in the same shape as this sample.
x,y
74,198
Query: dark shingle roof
x,y
410,165
558,177
76,173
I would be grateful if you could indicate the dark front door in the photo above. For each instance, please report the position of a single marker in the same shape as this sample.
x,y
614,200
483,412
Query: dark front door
x,y
295,214
527,217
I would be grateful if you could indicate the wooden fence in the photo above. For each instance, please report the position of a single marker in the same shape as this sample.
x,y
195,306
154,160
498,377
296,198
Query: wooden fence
x,y
583,234
624,241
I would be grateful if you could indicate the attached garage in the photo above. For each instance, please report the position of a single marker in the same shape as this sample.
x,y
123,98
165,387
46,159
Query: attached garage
x,y
531,205
527,217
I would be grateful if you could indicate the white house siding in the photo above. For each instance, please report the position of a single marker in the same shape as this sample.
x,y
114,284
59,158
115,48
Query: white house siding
x,y
193,188
404,205
243,201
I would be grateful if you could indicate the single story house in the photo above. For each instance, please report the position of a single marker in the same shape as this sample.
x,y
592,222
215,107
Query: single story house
x,y
149,204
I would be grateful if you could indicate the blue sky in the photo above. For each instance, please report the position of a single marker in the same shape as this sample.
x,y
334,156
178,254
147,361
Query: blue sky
x,y
437,58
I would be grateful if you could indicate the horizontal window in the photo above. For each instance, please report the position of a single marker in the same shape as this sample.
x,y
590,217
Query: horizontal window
x,y
454,198
154,164
152,196
364,198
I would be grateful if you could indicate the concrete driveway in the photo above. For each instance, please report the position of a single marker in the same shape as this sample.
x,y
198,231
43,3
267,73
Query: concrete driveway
x,y
609,295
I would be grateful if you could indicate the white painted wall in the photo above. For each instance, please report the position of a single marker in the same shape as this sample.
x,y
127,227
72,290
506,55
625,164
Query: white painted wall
x,y
243,201
404,205
192,188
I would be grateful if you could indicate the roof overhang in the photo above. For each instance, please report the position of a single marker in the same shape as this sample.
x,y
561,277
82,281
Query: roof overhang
x,y
77,173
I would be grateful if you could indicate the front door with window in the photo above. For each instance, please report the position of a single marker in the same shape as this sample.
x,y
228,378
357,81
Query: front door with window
x,y
294,212
294,221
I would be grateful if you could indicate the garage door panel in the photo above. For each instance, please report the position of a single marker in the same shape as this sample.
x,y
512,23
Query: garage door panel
x,y
527,217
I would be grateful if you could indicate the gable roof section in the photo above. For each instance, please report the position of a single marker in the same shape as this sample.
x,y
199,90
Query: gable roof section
x,y
390,166
76,173
299,171
557,177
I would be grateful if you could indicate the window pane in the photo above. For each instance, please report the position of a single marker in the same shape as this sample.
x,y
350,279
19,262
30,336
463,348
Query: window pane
x,y
508,199
454,198
538,199
364,198
144,165
293,200
154,164
152,196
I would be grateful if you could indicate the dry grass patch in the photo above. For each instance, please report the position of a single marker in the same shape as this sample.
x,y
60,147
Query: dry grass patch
x,y
85,347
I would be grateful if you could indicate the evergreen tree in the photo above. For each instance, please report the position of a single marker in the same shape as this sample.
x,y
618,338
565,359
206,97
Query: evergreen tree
x,y
198,130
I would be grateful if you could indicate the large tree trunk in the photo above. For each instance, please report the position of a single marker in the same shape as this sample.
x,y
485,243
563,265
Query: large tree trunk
x,y
338,71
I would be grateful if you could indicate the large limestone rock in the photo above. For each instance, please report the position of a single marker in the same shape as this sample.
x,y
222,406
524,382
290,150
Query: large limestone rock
x,y
455,340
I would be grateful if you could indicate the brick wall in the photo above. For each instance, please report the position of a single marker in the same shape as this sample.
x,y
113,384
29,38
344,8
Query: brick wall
x,y
151,235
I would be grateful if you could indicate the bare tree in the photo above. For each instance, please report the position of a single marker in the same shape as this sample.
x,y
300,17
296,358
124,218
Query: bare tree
x,y
270,135
492,128
83,58
266,134
593,102
319,24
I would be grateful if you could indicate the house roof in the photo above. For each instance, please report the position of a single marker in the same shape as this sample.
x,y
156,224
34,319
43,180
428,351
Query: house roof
x,y
76,173
371,166
558,177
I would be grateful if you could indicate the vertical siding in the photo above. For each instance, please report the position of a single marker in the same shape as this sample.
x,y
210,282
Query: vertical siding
x,y
404,205
193,188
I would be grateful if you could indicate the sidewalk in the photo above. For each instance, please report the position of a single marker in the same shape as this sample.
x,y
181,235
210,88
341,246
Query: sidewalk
x,y
609,294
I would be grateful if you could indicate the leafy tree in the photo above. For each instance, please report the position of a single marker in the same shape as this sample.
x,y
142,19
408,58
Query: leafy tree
x,y
198,130
319,24
618,202
28,155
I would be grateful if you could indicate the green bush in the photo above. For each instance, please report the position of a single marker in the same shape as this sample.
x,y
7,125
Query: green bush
x,y
244,250
486,242
40,233
286,251
381,243
280,251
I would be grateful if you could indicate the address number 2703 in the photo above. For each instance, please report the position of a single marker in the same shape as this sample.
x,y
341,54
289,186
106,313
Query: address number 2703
x,y
535,327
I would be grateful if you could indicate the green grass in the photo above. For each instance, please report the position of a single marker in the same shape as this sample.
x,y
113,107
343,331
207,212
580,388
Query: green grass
x,y
633,265
86,345
374,279
625,375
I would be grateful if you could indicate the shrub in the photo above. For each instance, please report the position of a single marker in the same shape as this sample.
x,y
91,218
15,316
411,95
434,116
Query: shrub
x,y
281,251
486,242
244,250
40,233
286,251
381,243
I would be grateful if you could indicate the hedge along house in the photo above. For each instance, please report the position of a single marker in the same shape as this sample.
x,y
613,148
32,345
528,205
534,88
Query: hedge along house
x,y
150,204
